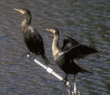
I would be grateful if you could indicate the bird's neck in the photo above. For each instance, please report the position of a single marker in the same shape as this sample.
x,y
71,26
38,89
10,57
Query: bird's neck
x,y
27,21
55,45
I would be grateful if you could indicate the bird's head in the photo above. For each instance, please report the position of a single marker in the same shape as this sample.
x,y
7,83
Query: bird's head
x,y
23,11
54,31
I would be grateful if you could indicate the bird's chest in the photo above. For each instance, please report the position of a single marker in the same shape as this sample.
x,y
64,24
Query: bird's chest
x,y
61,60
28,39
27,36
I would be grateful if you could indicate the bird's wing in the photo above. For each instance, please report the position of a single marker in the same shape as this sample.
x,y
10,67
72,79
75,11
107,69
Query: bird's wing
x,y
65,42
72,41
68,43
35,35
80,51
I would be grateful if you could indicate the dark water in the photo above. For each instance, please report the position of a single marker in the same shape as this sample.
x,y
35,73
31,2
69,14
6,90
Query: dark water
x,y
87,21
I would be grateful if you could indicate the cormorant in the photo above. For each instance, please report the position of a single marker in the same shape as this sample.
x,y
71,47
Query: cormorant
x,y
32,38
64,58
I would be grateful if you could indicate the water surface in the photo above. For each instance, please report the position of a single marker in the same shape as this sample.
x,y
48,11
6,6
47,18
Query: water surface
x,y
86,21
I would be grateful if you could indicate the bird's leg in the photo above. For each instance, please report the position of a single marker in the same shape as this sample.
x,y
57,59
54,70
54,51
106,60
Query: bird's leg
x,y
34,56
30,56
28,52
66,78
32,59
75,88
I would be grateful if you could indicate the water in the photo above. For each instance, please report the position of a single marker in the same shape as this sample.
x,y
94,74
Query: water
x,y
84,20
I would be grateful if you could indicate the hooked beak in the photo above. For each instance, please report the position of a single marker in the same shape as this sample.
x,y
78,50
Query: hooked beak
x,y
19,10
51,30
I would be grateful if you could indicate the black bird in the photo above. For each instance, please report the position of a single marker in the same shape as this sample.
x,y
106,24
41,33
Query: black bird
x,y
64,58
32,38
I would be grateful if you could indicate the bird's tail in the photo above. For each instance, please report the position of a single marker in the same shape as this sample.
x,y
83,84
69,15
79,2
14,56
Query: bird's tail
x,y
47,62
85,71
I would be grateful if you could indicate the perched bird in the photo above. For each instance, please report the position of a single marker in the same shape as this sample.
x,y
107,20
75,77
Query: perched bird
x,y
32,38
64,58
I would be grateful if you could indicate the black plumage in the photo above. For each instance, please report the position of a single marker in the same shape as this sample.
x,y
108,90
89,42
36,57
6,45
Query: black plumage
x,y
80,50
69,43
32,38
64,56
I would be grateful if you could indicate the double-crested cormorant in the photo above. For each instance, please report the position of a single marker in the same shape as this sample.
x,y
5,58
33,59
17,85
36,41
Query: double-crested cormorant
x,y
32,38
64,58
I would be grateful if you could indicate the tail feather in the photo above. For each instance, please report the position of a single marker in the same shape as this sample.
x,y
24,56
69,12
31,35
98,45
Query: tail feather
x,y
47,62
85,71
